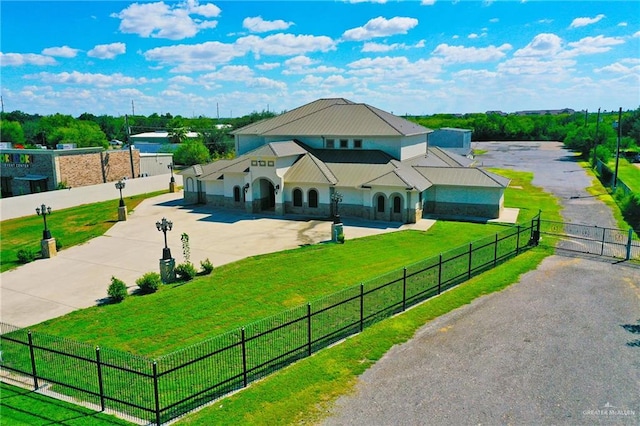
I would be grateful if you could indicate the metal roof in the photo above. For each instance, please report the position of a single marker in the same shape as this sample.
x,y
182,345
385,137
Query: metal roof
x,y
462,176
334,117
438,157
309,169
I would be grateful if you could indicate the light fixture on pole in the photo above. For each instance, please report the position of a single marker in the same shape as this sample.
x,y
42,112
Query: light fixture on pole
x,y
165,225
120,186
44,211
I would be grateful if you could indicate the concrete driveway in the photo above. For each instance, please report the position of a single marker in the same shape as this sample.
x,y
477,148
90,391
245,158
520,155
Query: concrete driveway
x,y
78,277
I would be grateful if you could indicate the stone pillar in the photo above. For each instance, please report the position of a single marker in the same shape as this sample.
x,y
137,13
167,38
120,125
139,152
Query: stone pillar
x,y
336,230
48,248
168,270
122,213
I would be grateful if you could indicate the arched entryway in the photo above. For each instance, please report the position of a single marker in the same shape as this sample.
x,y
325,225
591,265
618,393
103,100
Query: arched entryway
x,y
264,195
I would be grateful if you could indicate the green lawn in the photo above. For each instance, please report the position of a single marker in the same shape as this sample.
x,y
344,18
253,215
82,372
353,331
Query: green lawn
x,y
628,173
70,227
23,407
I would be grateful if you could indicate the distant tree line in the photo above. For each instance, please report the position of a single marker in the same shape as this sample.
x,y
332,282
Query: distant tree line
x,y
88,130
579,131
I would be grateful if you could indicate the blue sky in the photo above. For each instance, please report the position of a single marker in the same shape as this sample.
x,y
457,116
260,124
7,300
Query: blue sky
x,y
230,58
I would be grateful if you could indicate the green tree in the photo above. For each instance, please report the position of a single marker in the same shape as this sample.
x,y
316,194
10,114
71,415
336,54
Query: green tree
x,y
82,133
11,131
191,152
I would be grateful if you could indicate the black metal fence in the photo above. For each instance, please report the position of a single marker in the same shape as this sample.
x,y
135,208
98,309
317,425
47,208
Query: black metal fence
x,y
159,390
610,242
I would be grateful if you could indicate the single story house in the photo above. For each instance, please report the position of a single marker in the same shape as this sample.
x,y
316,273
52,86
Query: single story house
x,y
336,154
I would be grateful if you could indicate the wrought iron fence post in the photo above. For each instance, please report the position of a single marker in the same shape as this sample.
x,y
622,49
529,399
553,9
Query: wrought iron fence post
x,y
630,237
33,362
244,358
495,251
309,329
361,306
100,384
156,393
604,234
469,268
518,242
404,289
440,274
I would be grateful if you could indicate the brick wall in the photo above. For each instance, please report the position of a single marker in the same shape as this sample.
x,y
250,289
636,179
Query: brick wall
x,y
87,169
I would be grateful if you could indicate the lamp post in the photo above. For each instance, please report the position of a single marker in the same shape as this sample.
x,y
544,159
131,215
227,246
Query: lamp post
x,y
170,166
44,211
172,182
618,126
336,198
120,186
165,225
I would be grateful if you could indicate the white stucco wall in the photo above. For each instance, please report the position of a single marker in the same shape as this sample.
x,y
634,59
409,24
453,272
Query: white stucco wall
x,y
413,146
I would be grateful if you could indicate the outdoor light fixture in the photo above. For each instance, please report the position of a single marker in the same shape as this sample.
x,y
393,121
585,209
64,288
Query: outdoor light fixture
x,y
277,188
170,166
120,185
165,225
44,211
336,197
246,187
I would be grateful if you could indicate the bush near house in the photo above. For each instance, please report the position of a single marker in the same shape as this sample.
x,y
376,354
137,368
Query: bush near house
x,y
149,282
117,290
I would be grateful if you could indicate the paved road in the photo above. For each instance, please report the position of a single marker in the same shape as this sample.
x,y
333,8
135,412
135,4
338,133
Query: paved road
x,y
557,348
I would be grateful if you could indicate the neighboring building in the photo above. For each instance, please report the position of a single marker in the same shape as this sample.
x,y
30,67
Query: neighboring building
x,y
155,164
27,171
379,163
454,140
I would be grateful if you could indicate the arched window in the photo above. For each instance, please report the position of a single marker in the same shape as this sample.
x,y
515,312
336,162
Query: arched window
x,y
380,203
313,198
297,197
236,194
397,204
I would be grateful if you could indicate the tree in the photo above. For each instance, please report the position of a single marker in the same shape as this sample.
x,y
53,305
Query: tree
x,y
82,133
178,134
11,131
191,152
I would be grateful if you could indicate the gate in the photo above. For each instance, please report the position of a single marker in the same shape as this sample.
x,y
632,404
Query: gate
x,y
609,242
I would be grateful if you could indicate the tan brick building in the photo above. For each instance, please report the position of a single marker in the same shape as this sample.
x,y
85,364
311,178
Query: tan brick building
x,y
27,171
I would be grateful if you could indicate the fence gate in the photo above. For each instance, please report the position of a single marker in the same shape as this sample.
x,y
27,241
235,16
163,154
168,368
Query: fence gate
x,y
610,242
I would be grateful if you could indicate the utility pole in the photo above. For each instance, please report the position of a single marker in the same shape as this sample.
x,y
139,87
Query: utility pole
x,y
126,123
2,102
133,108
218,111
619,127
595,140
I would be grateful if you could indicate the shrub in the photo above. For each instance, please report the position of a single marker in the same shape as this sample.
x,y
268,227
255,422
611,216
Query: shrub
x,y
207,266
186,271
149,282
341,238
25,256
117,290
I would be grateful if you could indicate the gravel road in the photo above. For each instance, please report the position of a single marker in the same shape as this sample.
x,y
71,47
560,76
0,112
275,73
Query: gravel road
x,y
560,347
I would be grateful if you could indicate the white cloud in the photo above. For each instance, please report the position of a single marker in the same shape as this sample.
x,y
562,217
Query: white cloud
x,y
61,52
461,54
107,51
367,1
381,47
494,20
303,65
428,2
636,34
90,79
623,24
230,73
591,45
267,83
284,44
19,59
582,22
557,69
193,57
268,66
160,20
542,45
618,68
380,27
259,25
299,61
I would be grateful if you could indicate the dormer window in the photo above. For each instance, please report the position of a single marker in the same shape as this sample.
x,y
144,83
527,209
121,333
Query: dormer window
x,y
357,143
344,143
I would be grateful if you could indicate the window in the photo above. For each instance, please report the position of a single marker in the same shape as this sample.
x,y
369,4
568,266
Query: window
x,y
357,143
236,194
297,197
344,143
397,204
380,203
313,198
330,143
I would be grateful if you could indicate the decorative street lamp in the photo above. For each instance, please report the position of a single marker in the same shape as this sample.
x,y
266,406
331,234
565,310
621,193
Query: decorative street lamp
x,y
120,185
336,198
165,225
44,211
170,166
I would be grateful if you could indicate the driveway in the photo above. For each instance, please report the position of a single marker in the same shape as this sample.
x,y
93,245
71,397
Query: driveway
x,y
559,347
78,277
